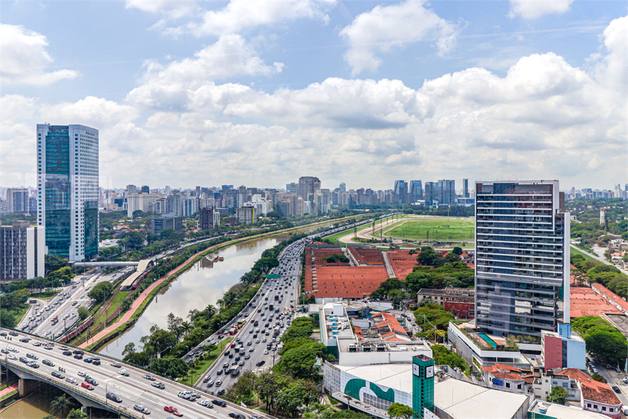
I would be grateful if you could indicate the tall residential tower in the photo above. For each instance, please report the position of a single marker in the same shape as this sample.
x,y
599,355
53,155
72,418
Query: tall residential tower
x,y
522,257
67,189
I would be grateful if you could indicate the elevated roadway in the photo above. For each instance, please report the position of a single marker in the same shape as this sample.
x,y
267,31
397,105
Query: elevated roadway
x,y
132,390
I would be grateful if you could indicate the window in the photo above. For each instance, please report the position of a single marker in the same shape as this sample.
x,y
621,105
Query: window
x,y
603,408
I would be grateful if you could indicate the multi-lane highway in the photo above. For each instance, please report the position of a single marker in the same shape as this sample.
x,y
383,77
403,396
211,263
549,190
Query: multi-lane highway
x,y
64,306
268,315
132,389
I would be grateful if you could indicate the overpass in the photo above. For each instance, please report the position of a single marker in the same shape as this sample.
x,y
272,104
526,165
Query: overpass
x,y
132,389
101,264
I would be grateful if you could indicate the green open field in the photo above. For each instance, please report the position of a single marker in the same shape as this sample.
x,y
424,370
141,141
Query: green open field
x,y
435,229
577,252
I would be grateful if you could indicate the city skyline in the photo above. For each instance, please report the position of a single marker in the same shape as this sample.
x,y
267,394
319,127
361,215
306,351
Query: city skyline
x,y
202,96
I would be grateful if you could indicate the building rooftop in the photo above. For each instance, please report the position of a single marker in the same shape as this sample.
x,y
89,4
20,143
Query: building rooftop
x,y
350,282
591,389
402,262
613,298
460,399
367,256
586,302
559,411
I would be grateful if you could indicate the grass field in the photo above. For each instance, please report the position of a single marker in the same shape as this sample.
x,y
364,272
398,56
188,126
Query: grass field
x,y
334,237
435,229
577,252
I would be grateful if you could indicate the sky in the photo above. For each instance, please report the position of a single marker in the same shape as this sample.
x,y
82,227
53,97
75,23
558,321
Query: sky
x,y
261,92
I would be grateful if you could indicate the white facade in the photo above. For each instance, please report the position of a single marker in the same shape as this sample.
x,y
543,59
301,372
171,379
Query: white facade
x,y
83,185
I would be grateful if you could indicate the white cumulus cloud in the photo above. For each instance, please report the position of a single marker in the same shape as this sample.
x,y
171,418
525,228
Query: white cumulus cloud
x,y
171,8
398,25
241,15
168,86
532,9
25,59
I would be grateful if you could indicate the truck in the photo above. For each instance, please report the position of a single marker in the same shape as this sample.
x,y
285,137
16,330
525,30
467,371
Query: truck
x,y
276,331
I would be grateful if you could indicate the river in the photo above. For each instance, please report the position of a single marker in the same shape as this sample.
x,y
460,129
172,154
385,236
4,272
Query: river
x,y
204,283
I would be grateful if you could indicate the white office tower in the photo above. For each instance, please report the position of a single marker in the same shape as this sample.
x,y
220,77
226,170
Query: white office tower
x,y
522,257
67,189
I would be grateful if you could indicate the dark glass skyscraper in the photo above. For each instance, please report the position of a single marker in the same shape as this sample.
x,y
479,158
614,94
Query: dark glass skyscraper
x,y
67,189
522,257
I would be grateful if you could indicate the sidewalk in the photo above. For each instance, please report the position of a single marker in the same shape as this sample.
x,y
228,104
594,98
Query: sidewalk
x,y
8,390
136,304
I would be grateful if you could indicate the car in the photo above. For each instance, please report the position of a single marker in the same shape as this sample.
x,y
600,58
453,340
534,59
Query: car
x,y
95,361
123,372
116,365
33,364
158,385
88,360
222,392
87,386
37,344
266,352
81,374
247,357
219,372
67,353
77,352
220,403
32,356
232,415
241,363
177,413
149,377
260,363
170,409
142,409
47,362
71,380
12,357
78,356
616,389
251,350
91,380
218,383
114,397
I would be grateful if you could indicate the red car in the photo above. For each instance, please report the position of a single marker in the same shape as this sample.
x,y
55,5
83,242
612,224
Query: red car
x,y
87,386
173,410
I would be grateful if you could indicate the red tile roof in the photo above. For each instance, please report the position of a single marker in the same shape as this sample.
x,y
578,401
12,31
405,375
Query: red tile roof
x,y
389,320
586,302
505,367
591,389
367,256
402,262
344,281
611,295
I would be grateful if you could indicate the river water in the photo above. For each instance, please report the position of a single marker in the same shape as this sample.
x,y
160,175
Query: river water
x,y
203,284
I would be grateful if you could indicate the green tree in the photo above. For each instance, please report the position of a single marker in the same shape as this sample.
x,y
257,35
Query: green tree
x,y
299,362
457,250
293,398
61,405
54,262
100,291
7,319
443,356
132,240
400,411
607,345
76,414
268,385
170,367
245,386
83,313
557,395
598,377
452,257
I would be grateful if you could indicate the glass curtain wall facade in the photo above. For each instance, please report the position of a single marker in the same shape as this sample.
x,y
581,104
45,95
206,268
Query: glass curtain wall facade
x,y
67,189
522,257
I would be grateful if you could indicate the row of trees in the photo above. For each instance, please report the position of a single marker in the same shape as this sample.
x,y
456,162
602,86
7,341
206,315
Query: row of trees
x,y
603,341
607,275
